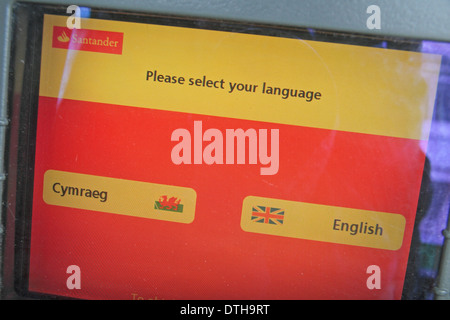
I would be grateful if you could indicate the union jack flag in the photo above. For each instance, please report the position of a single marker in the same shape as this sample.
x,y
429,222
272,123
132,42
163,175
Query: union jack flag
x,y
267,215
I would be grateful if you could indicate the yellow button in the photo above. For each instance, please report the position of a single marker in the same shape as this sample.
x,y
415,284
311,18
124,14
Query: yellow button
x,y
119,196
323,223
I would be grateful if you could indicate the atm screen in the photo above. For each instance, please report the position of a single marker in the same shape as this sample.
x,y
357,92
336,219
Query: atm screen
x,y
166,157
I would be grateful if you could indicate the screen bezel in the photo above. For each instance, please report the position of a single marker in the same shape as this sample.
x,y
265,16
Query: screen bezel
x,y
27,108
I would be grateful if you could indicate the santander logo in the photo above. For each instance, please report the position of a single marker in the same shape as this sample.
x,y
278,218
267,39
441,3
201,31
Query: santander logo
x,y
87,40
63,37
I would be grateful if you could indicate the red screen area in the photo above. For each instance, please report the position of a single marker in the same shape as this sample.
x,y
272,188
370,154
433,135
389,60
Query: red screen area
x,y
121,257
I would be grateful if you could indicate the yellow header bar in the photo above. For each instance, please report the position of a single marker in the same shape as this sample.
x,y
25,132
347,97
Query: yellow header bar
x,y
263,78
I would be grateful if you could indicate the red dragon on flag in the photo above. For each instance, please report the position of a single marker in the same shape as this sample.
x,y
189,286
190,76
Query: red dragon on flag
x,y
169,204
